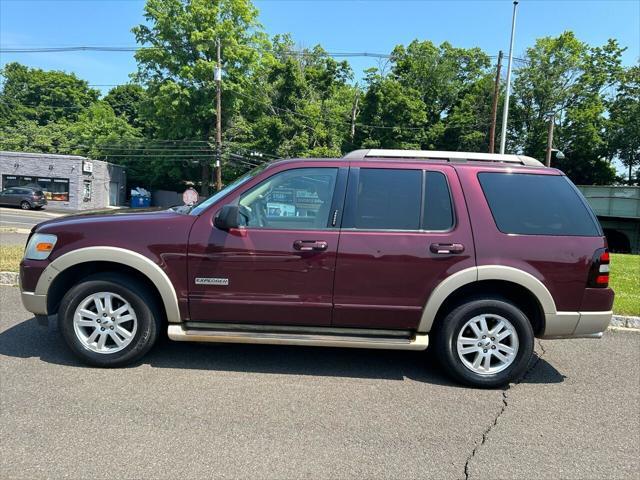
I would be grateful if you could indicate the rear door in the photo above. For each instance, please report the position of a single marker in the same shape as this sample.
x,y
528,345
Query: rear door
x,y
404,230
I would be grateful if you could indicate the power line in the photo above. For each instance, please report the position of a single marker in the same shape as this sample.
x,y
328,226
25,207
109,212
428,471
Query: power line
x,y
109,48
113,48
146,158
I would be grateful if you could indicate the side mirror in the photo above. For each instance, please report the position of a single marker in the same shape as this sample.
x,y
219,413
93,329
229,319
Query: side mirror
x,y
227,218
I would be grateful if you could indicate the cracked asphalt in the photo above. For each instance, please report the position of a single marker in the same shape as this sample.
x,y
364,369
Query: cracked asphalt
x,y
238,411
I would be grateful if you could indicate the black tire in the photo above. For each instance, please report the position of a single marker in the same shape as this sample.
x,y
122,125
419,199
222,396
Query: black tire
x,y
143,304
24,205
446,336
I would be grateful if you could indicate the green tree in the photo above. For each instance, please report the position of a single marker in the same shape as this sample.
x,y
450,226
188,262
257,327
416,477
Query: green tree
x,y
438,97
301,104
624,121
467,126
29,136
567,78
177,66
392,116
126,101
42,96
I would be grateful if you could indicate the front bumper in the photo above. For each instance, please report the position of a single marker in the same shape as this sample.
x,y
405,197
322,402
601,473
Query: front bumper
x,y
34,303
576,324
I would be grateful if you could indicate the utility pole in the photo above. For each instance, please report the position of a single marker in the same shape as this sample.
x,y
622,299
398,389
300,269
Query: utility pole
x,y
218,76
354,113
505,111
552,121
494,107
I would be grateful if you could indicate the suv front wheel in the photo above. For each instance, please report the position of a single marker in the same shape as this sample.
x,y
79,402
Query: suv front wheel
x,y
485,342
108,320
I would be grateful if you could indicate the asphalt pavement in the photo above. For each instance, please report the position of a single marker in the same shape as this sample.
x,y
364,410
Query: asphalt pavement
x,y
15,223
17,218
239,411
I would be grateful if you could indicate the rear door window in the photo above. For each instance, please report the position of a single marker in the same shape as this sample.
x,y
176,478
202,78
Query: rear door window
x,y
437,211
398,199
530,204
388,199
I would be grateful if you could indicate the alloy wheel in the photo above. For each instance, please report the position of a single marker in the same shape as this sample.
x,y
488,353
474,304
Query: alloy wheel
x,y
487,344
104,322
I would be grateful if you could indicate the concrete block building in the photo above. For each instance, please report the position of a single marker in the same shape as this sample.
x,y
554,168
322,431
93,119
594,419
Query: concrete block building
x,y
68,181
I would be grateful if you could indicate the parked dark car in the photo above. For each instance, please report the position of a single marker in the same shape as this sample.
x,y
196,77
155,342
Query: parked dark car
x,y
475,253
26,198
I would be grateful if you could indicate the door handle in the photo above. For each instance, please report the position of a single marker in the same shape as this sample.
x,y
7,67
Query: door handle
x,y
446,248
310,245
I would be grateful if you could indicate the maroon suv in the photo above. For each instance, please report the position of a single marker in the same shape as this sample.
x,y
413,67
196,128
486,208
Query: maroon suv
x,y
386,249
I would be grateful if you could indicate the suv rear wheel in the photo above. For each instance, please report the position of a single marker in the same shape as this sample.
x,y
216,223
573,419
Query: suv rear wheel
x,y
24,205
108,320
485,342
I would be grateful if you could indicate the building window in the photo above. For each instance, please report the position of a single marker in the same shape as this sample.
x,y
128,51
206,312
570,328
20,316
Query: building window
x,y
86,195
55,189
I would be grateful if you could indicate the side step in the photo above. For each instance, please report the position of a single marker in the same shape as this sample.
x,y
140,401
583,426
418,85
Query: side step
x,y
321,337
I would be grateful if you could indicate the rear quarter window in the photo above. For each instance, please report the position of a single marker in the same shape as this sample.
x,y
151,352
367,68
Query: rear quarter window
x,y
530,204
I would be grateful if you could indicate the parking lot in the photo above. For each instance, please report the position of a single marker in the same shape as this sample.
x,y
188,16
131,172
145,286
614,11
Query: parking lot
x,y
266,411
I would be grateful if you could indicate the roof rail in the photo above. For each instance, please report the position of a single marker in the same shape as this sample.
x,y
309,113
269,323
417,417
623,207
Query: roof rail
x,y
447,156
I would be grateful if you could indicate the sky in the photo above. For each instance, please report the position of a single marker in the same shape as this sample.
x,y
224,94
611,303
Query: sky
x,y
338,25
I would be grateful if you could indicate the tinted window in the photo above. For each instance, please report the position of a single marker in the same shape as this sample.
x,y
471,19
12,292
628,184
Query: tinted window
x,y
291,200
537,205
206,203
438,212
388,199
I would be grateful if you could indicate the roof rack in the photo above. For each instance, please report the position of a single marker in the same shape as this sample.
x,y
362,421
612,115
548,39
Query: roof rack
x,y
446,156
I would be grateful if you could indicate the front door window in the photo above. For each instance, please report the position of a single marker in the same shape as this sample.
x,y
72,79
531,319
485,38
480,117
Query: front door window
x,y
298,199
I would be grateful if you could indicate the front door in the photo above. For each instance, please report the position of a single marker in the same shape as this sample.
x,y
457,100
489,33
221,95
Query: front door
x,y
404,231
278,268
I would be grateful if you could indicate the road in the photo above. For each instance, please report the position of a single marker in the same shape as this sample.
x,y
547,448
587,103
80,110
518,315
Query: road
x,y
234,411
16,218
12,219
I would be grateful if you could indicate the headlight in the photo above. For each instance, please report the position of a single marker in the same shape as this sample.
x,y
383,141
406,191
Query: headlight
x,y
40,246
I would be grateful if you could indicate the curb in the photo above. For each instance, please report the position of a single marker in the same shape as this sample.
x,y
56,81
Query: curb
x,y
9,279
625,321
618,321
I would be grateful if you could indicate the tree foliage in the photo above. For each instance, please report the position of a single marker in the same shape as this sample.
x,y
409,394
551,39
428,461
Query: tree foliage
x,y
624,122
42,96
567,78
279,100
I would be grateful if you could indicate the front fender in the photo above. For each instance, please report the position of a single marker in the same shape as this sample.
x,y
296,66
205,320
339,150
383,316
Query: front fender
x,y
114,255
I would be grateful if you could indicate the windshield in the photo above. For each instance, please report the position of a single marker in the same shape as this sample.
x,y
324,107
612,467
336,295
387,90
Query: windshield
x,y
206,203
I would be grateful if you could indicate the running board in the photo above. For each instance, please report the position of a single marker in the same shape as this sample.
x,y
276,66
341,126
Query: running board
x,y
178,333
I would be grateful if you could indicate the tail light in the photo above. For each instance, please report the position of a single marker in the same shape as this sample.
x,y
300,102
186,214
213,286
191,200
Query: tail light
x,y
599,272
